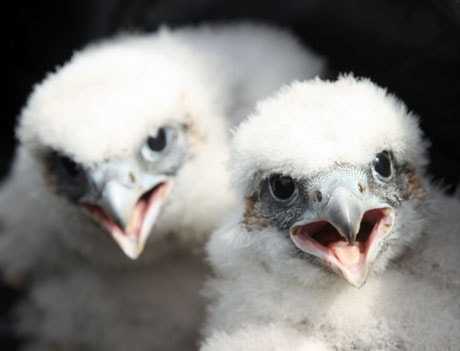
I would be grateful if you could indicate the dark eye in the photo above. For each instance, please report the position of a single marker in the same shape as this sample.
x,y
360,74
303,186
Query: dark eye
x,y
383,166
68,178
282,188
157,147
70,167
158,142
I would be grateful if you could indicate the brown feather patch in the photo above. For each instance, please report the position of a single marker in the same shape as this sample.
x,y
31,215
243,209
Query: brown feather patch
x,y
48,175
251,219
195,135
414,186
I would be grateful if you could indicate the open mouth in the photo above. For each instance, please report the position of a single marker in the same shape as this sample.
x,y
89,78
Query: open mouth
x,y
351,260
131,239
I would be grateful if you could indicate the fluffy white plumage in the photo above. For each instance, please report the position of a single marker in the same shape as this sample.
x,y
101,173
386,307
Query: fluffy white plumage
x,y
353,135
134,112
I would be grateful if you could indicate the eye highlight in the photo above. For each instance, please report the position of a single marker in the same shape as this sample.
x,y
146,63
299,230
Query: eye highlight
x,y
382,166
282,188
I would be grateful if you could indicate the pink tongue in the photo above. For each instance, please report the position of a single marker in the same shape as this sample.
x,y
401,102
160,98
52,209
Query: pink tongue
x,y
347,254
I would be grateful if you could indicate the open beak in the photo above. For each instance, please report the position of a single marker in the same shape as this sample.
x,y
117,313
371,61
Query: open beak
x,y
346,234
128,211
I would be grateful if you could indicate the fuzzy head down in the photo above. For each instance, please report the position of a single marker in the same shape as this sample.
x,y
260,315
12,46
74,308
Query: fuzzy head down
x,y
320,135
104,110
311,126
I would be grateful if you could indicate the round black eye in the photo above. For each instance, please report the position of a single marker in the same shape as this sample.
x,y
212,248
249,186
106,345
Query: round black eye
x,y
158,142
382,165
282,187
70,167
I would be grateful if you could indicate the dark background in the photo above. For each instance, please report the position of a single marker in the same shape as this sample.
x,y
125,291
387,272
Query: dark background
x,y
412,47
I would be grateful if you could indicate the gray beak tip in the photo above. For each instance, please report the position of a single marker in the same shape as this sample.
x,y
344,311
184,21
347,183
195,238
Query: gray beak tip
x,y
344,211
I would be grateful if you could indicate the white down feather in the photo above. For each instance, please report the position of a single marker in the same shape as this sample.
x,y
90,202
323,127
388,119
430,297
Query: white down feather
x,y
84,294
410,301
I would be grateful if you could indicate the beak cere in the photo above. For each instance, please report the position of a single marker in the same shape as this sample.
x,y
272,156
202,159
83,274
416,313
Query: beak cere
x,y
131,226
346,242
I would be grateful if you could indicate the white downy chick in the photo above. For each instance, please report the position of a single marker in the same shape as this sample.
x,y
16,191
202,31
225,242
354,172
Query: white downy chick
x,y
340,235
126,144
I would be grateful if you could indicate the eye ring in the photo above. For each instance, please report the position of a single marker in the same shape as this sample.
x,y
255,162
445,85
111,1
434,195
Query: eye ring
x,y
382,166
282,188
155,146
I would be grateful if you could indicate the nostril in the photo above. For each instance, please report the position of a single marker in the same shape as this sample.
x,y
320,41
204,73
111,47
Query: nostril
x,y
361,187
132,177
318,196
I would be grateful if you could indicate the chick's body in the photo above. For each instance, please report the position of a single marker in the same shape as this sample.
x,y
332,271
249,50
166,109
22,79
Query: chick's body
x,y
126,142
281,257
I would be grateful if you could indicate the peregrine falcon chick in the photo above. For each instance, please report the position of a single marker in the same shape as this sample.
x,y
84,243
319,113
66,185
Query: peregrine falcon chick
x,y
125,144
339,234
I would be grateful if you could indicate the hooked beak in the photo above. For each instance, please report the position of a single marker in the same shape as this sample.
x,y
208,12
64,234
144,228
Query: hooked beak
x,y
346,234
128,212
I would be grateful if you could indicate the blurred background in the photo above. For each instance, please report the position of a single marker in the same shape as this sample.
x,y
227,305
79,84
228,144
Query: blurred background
x,y
411,47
